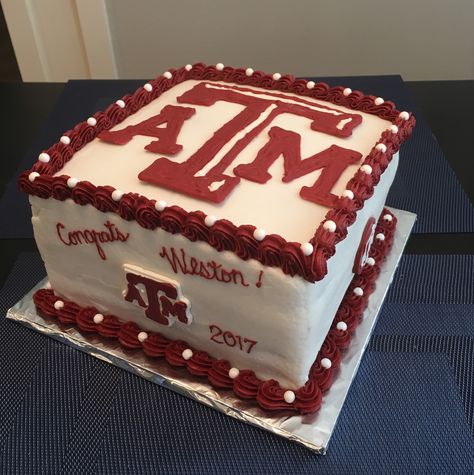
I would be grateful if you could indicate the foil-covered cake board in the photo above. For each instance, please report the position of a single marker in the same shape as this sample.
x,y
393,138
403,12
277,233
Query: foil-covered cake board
x,y
314,431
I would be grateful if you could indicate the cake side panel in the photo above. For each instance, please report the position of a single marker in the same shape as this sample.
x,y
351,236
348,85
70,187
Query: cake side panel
x,y
328,292
254,316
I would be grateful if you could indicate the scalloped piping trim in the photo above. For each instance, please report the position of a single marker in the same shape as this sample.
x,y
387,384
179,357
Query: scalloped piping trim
x,y
273,250
267,394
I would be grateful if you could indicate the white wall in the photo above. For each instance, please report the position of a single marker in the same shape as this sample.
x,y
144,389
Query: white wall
x,y
420,39
57,40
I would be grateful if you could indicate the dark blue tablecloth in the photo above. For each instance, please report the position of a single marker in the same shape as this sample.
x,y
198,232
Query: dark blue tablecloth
x,y
437,198
410,409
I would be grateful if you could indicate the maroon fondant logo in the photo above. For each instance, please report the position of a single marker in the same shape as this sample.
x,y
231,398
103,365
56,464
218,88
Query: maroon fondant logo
x,y
215,185
364,246
160,297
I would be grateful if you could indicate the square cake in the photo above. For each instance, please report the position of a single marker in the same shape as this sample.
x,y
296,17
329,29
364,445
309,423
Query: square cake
x,y
229,221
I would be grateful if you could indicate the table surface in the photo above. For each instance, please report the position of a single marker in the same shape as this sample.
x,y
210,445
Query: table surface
x,y
446,105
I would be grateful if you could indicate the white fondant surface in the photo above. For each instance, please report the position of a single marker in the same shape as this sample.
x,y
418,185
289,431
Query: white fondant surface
x,y
274,206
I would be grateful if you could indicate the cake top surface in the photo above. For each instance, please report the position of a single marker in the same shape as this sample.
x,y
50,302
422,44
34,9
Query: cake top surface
x,y
202,111
267,166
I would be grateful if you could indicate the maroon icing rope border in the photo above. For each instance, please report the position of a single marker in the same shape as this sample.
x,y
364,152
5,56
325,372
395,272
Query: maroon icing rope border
x,y
273,250
267,394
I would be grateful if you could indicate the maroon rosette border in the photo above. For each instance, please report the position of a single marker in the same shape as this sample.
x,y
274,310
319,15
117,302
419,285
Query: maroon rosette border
x,y
268,394
273,250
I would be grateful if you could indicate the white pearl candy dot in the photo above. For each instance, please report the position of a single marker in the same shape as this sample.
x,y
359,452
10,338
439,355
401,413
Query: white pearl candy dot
x,y
72,182
326,363
341,326
358,291
188,67
394,129
98,318
160,205
44,157
329,226
187,354
347,91
117,195
148,87
404,115
380,237
387,217
92,121
381,147
370,261
367,169
249,72
348,194
307,248
219,66
289,397
142,336
33,176
378,101
120,103
310,84
233,373
259,234
276,76
167,75
58,305
65,140
210,220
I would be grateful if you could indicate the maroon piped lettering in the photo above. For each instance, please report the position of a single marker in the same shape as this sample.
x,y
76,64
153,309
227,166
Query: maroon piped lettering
x,y
210,270
91,236
231,339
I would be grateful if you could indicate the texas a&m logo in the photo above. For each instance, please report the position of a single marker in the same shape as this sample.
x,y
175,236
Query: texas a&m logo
x,y
260,108
364,246
160,297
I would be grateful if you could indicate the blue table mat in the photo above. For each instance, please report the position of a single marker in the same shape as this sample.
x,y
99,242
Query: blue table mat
x,y
425,183
409,409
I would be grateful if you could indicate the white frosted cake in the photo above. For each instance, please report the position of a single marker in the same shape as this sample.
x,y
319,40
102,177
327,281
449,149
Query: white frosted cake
x,y
229,221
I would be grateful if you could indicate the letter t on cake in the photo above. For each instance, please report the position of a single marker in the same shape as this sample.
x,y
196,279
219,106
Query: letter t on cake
x,y
234,216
